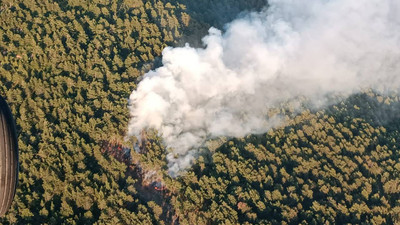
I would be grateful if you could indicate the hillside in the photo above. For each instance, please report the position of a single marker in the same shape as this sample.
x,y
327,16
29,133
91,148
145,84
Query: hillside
x,y
338,166
67,70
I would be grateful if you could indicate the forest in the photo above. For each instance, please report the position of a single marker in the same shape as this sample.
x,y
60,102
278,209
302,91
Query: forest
x,y
67,70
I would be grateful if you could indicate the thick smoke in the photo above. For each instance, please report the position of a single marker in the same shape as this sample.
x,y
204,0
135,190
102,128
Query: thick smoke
x,y
309,48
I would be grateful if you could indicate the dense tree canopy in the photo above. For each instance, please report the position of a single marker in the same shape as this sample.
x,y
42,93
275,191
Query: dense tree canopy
x,y
67,69
336,166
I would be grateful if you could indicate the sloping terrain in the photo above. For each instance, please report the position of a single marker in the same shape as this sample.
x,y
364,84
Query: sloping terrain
x,y
67,69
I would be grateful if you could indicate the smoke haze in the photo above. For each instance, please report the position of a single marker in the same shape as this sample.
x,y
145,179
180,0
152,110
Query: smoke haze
x,y
308,48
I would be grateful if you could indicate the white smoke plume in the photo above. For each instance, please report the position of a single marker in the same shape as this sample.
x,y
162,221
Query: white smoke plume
x,y
310,48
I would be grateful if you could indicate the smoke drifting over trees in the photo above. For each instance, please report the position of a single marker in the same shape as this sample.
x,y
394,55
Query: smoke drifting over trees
x,y
68,68
313,49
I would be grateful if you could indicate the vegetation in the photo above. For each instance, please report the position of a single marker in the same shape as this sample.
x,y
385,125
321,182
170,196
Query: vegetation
x,y
67,69
325,167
